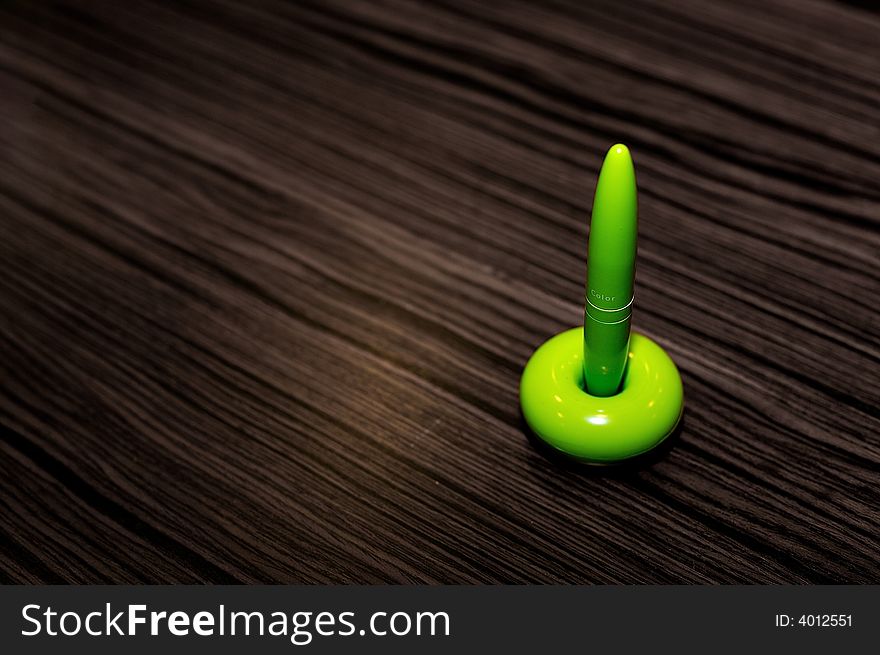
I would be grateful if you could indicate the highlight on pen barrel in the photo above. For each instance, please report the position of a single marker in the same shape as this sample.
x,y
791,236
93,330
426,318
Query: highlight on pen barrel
x,y
611,261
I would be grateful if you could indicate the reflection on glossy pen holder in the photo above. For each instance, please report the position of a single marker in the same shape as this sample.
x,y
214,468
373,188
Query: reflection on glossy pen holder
x,y
600,430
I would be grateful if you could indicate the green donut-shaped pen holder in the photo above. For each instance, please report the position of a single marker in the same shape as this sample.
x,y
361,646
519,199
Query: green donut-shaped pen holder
x,y
597,430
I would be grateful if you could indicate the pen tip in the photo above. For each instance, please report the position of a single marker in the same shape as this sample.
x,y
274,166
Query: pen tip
x,y
618,149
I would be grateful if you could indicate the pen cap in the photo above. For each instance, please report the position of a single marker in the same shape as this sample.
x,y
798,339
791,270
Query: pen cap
x,y
611,254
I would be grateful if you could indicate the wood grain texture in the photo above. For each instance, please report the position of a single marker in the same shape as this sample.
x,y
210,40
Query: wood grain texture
x,y
271,272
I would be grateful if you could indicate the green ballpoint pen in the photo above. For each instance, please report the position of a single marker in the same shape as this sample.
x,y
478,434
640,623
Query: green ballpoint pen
x,y
611,262
596,393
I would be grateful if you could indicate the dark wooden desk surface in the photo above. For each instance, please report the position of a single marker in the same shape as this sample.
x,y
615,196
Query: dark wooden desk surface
x,y
271,273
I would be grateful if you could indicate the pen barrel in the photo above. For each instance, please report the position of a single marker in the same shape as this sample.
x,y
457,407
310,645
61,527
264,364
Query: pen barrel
x,y
606,345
